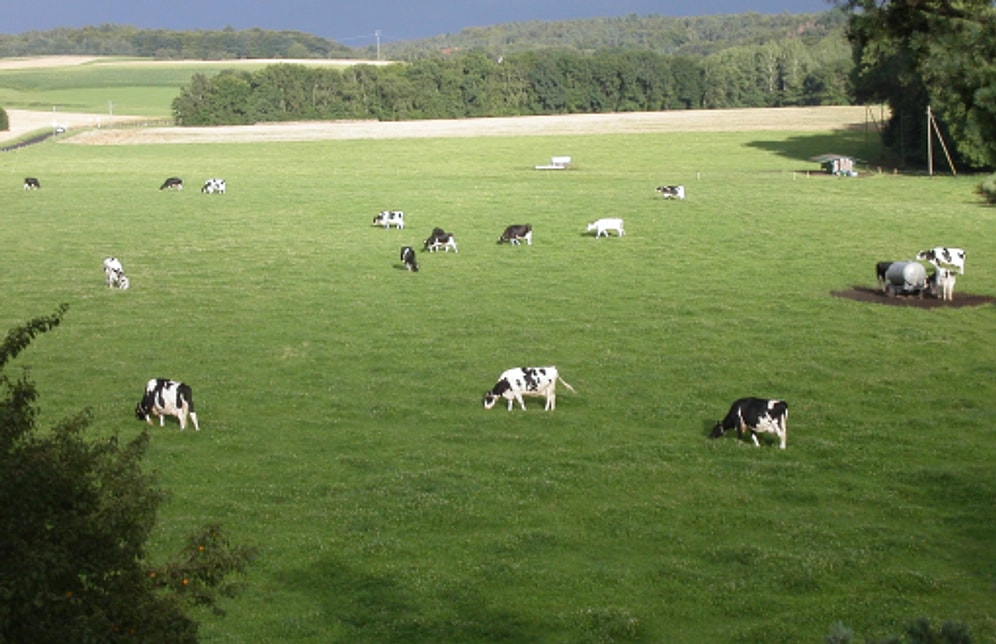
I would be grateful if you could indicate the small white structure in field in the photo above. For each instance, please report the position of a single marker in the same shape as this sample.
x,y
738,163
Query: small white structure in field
x,y
556,163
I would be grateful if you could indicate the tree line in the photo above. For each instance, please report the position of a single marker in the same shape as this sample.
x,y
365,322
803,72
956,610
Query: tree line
x,y
476,84
123,40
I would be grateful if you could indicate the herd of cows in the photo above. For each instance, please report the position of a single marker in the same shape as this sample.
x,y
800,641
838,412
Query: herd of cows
x,y
909,277
752,416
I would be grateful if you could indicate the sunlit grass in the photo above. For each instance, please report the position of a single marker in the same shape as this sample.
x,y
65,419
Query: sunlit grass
x,y
339,395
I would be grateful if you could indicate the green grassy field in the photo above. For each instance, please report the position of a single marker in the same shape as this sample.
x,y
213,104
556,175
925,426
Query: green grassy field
x,y
339,395
127,86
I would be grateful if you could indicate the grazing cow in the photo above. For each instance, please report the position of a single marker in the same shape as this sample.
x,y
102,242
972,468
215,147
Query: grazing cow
x,y
31,183
440,239
167,398
408,258
115,274
516,233
389,218
943,283
513,384
172,183
756,415
214,186
941,256
671,192
603,226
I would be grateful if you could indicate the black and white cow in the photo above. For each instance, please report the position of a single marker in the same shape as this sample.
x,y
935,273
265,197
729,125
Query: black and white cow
x,y
440,239
513,384
671,192
172,183
944,257
515,233
942,283
408,258
390,218
757,415
214,187
31,183
114,272
165,397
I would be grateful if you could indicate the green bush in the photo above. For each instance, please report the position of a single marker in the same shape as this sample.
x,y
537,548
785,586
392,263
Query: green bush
x,y
75,515
988,188
4,121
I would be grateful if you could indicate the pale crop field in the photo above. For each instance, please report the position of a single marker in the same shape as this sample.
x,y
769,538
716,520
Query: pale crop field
x,y
340,396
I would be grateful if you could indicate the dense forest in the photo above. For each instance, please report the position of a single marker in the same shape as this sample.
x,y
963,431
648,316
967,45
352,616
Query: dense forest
x,y
472,84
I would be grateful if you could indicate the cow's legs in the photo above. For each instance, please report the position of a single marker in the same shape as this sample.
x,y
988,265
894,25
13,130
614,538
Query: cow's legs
x,y
522,403
193,417
753,435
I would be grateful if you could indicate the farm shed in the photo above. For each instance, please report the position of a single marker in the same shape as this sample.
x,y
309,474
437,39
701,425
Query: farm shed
x,y
836,164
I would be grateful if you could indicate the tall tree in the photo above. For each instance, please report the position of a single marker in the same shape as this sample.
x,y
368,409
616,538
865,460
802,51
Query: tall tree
x,y
913,54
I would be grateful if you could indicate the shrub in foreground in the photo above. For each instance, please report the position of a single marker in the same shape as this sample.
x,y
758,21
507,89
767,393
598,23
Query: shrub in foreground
x,y
75,517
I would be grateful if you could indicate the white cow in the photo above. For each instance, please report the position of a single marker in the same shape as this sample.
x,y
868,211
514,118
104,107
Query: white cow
x,y
390,218
603,226
115,274
513,384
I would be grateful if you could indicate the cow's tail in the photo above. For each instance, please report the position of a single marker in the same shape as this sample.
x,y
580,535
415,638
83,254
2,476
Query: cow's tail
x,y
186,398
566,384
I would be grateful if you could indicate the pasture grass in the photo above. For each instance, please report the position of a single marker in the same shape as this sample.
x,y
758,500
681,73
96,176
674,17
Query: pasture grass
x,y
138,87
339,395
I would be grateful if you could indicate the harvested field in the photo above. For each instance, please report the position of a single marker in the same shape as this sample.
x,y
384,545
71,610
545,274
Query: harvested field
x,y
808,119
797,119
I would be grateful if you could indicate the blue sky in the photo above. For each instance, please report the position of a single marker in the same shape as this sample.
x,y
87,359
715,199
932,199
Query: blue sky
x,y
354,22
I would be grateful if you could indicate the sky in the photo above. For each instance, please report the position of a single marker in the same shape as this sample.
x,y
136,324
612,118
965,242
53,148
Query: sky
x,y
356,23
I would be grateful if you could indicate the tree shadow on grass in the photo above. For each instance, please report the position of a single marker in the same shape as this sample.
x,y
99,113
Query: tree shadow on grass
x,y
379,608
854,141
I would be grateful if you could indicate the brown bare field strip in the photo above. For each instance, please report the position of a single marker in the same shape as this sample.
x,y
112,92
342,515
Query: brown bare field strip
x,y
792,119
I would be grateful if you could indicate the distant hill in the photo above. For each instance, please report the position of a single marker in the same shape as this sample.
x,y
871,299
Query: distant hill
x,y
697,36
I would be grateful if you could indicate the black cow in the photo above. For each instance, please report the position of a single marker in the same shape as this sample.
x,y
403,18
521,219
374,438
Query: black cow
x,y
408,258
757,415
516,233
165,397
172,183
880,269
31,183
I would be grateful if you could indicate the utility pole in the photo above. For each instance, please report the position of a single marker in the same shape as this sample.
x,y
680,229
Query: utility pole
x,y
377,34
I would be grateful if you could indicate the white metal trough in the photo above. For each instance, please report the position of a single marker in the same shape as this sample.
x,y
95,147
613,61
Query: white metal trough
x,y
905,278
556,163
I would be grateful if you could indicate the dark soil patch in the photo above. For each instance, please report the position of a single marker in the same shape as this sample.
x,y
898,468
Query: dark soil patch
x,y
876,296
